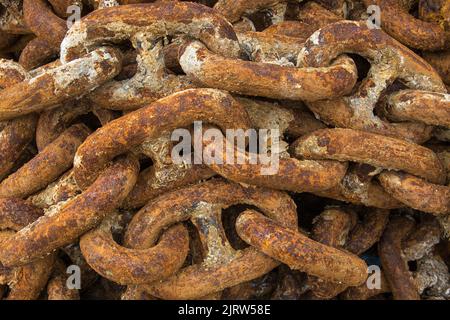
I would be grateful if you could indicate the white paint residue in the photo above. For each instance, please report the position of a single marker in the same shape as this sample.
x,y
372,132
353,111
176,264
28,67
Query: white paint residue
x,y
189,61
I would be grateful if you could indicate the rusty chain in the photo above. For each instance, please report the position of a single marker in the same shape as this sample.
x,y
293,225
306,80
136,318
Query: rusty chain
x,y
355,116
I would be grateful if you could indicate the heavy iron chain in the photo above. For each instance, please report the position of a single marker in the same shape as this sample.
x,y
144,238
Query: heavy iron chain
x,y
86,173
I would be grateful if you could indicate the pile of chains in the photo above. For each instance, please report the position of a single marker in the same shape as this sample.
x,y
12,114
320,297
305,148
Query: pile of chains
x,y
358,208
